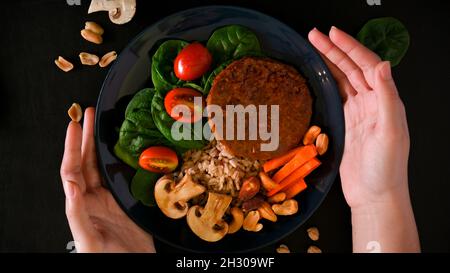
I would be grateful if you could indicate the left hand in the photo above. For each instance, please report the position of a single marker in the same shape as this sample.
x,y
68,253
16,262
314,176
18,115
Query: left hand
x,y
97,223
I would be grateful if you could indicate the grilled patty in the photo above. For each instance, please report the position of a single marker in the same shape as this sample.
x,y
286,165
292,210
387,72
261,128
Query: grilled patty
x,y
263,81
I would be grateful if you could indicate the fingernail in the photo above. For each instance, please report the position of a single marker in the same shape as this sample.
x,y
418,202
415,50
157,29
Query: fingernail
x,y
385,71
333,28
69,189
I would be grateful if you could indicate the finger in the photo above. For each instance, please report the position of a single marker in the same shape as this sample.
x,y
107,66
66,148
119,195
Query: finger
x,y
387,96
345,88
340,59
89,157
71,169
83,231
362,56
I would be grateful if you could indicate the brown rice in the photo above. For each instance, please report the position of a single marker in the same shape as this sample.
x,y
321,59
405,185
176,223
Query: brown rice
x,y
218,170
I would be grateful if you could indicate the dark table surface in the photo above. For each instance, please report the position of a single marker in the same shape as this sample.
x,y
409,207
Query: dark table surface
x,y
34,97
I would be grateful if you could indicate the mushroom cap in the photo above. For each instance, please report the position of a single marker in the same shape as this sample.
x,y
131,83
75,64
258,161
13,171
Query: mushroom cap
x,y
120,11
172,198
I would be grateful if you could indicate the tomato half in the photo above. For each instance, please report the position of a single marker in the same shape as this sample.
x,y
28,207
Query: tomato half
x,y
192,62
184,97
158,159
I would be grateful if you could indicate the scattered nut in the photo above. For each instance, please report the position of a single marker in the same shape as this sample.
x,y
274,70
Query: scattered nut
x,y
311,135
94,27
266,212
283,249
251,222
238,220
108,58
75,112
88,59
313,233
277,198
63,64
91,36
288,207
322,144
314,249
250,187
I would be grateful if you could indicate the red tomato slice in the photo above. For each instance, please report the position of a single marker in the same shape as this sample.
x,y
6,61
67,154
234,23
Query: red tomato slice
x,y
158,159
185,97
192,62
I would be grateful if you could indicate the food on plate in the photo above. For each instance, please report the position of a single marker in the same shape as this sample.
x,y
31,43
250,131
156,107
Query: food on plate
x,y
221,186
158,159
184,97
192,62
262,81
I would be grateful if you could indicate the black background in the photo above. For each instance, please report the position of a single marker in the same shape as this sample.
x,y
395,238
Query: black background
x,y
35,95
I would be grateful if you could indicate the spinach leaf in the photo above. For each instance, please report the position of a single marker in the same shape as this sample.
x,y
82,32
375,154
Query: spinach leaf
x,y
163,76
138,131
231,42
164,123
143,185
387,36
194,86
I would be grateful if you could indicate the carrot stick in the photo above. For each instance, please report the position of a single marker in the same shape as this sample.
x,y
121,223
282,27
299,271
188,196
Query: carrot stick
x,y
295,188
305,154
298,174
280,160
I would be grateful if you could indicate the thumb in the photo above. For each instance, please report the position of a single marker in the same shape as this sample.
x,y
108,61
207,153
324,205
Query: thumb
x,y
387,95
84,234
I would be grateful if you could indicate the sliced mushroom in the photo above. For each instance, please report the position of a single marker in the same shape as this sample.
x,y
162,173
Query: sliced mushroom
x,y
238,220
207,222
172,197
120,11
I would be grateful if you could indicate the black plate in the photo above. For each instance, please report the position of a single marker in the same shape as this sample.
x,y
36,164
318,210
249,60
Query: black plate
x,y
131,72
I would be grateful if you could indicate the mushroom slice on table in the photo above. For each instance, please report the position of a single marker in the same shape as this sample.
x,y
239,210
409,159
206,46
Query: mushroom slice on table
x,y
172,197
207,222
120,11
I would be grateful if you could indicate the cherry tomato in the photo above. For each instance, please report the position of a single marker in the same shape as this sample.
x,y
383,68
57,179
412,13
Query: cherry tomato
x,y
192,62
158,159
184,96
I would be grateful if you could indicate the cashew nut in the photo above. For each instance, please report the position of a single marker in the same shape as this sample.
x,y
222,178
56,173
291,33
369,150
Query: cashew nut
x,y
288,207
277,198
251,222
266,212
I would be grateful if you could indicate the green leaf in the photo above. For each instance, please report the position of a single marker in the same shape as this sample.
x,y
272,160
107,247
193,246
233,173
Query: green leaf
x,y
138,131
194,86
210,78
387,37
164,123
143,186
163,75
231,42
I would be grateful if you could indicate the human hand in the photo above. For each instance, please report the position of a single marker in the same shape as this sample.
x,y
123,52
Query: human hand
x,y
97,223
375,161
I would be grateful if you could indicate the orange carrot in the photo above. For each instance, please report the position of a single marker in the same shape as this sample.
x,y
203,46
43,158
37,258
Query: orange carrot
x,y
295,188
295,176
302,156
279,161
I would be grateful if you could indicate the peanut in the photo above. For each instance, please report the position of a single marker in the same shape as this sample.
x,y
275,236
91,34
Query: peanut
x,y
251,222
283,249
314,249
313,233
311,135
91,36
88,59
322,144
108,58
94,27
63,64
75,112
